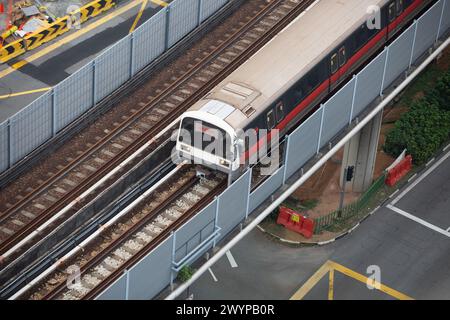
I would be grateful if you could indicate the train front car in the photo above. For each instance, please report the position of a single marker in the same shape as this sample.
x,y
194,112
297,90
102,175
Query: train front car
x,y
206,139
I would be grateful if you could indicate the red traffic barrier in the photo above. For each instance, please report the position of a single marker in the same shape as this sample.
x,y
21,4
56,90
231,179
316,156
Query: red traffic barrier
x,y
295,222
399,171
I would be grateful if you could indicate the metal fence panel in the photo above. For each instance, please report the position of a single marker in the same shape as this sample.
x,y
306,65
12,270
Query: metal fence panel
x,y
368,83
209,7
149,40
233,204
152,274
183,18
195,225
4,152
445,19
266,189
427,29
117,291
112,68
399,55
337,112
302,143
73,96
31,127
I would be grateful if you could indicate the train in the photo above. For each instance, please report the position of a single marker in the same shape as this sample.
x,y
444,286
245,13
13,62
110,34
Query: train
x,y
286,79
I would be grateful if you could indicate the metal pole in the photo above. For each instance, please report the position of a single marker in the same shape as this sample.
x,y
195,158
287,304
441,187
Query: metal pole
x,y
199,18
440,20
384,71
167,26
308,174
173,234
321,128
250,170
353,99
413,44
342,195
53,93
286,157
8,133
132,54
94,83
216,219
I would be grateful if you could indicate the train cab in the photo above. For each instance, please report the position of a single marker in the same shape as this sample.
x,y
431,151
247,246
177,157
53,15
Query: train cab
x,y
205,137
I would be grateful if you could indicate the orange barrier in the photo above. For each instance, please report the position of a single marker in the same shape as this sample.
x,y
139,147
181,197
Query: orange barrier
x,y
296,222
399,171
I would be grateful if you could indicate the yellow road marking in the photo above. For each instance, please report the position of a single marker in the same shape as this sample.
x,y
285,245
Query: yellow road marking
x,y
69,38
330,267
357,276
161,3
331,285
303,291
6,96
139,15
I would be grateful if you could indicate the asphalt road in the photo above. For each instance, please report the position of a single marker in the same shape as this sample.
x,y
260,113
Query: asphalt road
x,y
58,64
410,248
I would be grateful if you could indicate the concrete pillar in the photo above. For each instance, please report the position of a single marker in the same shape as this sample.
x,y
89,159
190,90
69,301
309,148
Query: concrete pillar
x,y
361,152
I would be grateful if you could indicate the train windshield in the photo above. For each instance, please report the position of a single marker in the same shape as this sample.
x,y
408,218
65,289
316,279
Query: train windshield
x,y
206,137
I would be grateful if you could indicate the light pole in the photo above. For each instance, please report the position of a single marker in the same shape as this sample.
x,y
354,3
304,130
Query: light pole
x,y
347,177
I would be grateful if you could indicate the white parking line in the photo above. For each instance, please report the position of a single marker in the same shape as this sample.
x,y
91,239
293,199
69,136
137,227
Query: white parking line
x,y
448,230
418,220
423,176
231,259
212,275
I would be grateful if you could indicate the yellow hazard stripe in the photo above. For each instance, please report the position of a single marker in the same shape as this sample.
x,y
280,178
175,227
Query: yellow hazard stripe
x,y
55,29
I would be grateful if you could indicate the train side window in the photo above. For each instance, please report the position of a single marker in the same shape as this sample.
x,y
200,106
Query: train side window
x,y
399,5
342,56
280,111
392,12
270,120
334,63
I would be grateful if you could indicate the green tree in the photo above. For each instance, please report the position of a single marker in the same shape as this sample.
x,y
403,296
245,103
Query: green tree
x,y
440,94
422,131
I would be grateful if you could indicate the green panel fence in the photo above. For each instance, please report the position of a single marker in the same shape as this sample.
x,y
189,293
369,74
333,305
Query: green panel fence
x,y
350,210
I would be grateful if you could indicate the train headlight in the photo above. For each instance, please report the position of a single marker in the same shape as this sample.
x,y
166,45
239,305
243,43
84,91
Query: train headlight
x,y
185,148
224,163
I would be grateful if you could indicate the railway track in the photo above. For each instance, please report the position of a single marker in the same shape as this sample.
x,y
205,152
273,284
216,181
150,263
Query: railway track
x,y
23,222
140,230
31,216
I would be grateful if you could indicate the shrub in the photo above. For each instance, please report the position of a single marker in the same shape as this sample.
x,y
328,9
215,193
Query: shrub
x,y
185,273
440,94
421,131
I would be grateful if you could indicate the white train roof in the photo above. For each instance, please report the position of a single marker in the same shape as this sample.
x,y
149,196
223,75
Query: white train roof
x,y
287,57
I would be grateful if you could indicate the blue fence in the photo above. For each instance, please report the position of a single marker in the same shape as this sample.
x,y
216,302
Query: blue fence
x,y
235,204
81,91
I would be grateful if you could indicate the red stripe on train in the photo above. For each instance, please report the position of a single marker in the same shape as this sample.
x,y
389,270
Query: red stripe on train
x,y
319,90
